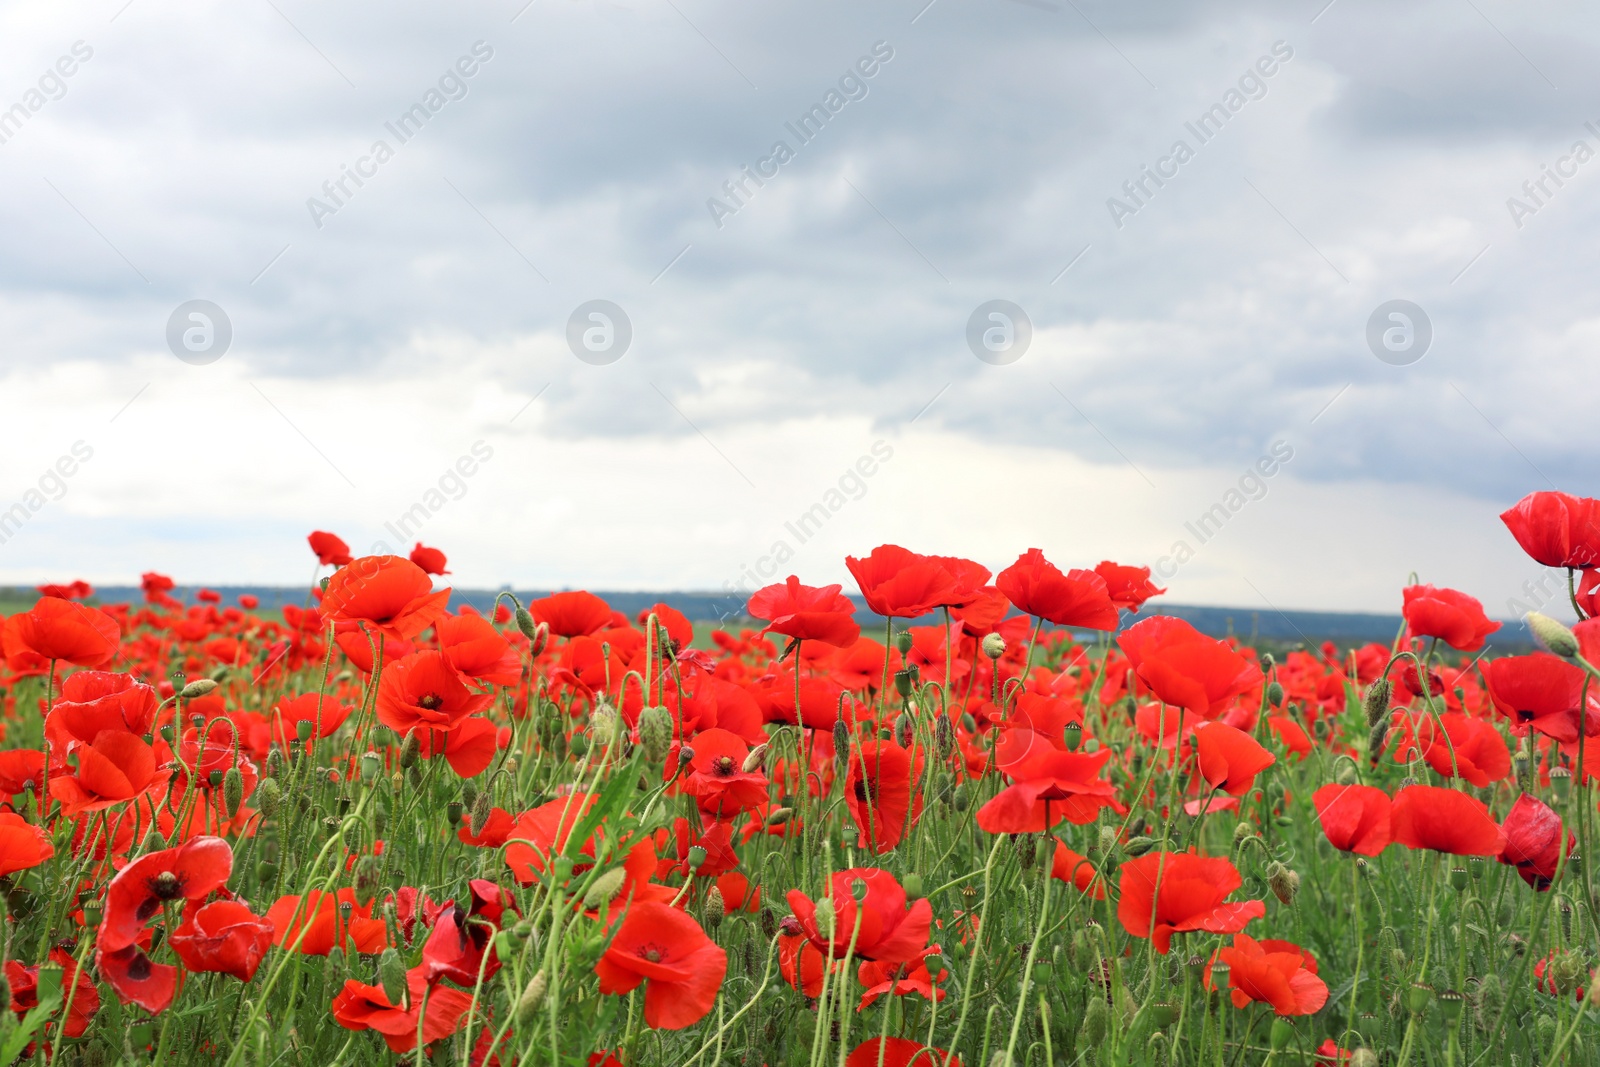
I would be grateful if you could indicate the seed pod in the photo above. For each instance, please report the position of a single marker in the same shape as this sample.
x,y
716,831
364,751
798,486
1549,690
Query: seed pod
x,y
411,750
532,999
902,642
1072,735
452,812
1375,706
392,975
371,767
1418,997
697,857
1282,1033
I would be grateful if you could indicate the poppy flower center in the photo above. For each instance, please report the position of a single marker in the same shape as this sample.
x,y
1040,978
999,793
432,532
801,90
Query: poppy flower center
x,y
431,701
139,967
166,886
724,765
863,791
1525,716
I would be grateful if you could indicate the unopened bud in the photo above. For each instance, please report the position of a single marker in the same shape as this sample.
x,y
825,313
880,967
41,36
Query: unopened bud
x,y
1283,882
994,646
1027,850
655,733
269,796
715,908
525,623
1138,846
604,888
232,791
1551,635
752,762
482,808
198,688
903,728
1275,694
532,1000
366,877
1345,771
1376,703
912,883
779,816
411,751
392,974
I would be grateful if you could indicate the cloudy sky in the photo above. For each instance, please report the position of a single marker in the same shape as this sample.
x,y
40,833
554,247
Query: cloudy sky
x,y
788,335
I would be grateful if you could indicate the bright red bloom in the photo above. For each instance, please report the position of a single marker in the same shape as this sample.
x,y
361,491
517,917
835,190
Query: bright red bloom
x,y
1076,870
1355,817
1452,616
190,872
1128,587
1185,668
136,980
330,549
542,832
576,614
458,949
223,936
683,966
20,768
22,845
76,984
422,691
1533,841
315,924
92,701
899,1052
1541,692
156,587
1229,759
1556,529
392,595
886,930
474,647
1163,893
367,1007
806,613
1050,785
801,964
1329,1054
1077,598
899,583
319,709
115,767
70,632
716,778
879,787
1444,820
900,979
429,559
1470,748
1278,973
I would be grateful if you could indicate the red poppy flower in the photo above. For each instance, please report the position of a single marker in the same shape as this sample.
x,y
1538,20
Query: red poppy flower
x,y
899,1052
575,614
367,1007
981,615
878,789
70,632
19,769
223,936
662,945
1470,748
1128,587
75,984
801,964
1278,973
134,979
458,949
806,613
1329,1054
716,778
422,691
887,930
1050,785
1068,866
899,583
429,559
1541,692
115,767
542,832
900,979
1078,598
315,924
330,549
1163,893
92,701
1533,841
469,748
473,646
1354,817
1229,759
22,845
1556,529
392,595
192,871
156,587
1444,820
1452,616
1185,668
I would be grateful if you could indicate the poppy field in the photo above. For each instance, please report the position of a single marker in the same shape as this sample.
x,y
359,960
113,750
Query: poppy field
x,y
1030,821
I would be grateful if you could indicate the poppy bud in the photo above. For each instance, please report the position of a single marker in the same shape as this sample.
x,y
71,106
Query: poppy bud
x,y
266,872
1026,848
482,808
579,745
469,793
685,755
411,751
1156,1046
1545,1030
1551,635
824,917
697,857
275,763
510,766
1376,703
655,733
1283,882
1376,740
1275,694
604,723
392,976
903,729
1345,771
994,646
779,816
1096,1017
1282,1034
1107,840
968,723
197,688
526,624
532,1000
1138,846
944,735
153,841
380,821
714,909
371,764
752,762
841,741
604,888
269,795
912,884
232,791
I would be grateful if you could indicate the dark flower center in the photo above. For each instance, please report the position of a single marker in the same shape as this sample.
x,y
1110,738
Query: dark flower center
x,y
139,967
430,701
650,953
864,790
724,765
166,886
1525,716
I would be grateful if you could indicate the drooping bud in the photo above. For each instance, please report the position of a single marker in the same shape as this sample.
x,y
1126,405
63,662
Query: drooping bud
x,y
944,735
841,742
1138,846
1551,635
604,888
469,793
532,999
1375,706
1345,771
198,688
526,624
779,816
482,808
1026,848
269,796
232,791
1377,739
1096,1017
655,733
392,974
411,751
752,762
1275,694
1283,882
